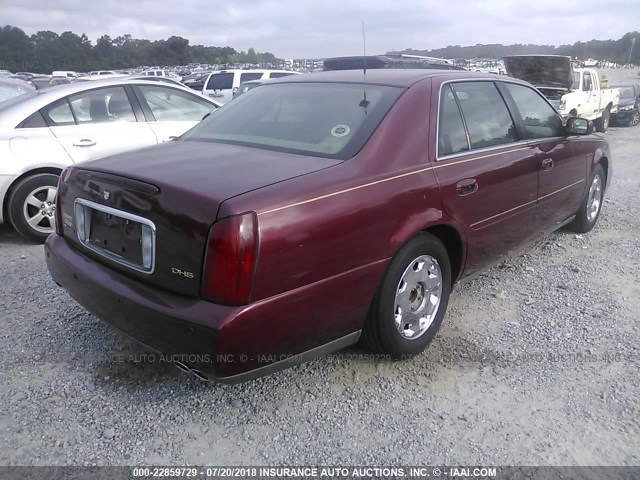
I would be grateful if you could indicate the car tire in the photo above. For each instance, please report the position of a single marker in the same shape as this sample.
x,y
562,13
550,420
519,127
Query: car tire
x,y
591,205
602,123
635,120
31,200
418,280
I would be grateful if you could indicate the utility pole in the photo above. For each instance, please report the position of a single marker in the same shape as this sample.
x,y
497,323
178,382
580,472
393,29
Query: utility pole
x,y
633,42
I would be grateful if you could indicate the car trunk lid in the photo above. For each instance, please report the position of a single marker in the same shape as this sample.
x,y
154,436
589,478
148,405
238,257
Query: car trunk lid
x,y
165,199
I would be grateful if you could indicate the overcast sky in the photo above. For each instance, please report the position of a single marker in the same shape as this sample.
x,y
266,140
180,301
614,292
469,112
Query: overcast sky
x,y
307,29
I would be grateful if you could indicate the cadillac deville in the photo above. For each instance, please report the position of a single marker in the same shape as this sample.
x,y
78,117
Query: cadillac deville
x,y
319,210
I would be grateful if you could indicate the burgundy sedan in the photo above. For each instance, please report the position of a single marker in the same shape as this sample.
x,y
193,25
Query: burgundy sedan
x,y
319,210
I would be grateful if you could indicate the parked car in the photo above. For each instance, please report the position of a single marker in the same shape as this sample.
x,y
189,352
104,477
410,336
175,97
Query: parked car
x,y
41,82
102,74
59,81
13,87
26,74
223,84
318,210
629,107
17,76
574,92
64,73
45,81
390,61
196,80
43,132
159,73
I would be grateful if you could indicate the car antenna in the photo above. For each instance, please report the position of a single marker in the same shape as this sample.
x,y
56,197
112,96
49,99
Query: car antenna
x,y
364,103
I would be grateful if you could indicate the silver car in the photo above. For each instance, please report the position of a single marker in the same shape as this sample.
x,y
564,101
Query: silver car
x,y
43,132
12,87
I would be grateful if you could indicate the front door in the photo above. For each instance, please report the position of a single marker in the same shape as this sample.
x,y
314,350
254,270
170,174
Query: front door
x,y
487,175
562,164
171,111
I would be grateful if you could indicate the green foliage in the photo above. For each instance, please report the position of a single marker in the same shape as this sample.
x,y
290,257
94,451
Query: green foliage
x,y
46,51
611,50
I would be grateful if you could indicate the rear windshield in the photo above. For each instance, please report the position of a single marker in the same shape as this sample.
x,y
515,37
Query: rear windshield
x,y
319,119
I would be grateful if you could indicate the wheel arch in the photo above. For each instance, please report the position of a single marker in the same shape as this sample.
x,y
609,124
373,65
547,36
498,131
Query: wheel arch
x,y
5,201
452,241
443,228
601,157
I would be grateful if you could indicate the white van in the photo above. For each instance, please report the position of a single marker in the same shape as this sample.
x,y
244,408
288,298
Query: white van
x,y
64,73
223,84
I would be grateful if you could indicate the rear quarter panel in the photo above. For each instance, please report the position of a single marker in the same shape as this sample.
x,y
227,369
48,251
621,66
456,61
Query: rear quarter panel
x,y
348,218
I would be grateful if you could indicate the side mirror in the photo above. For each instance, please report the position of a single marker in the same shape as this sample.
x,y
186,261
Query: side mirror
x,y
579,126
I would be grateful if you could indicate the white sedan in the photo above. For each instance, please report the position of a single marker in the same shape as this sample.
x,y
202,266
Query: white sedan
x,y
43,132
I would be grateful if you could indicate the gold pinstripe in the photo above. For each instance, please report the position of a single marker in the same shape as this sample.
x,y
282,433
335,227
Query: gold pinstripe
x,y
414,172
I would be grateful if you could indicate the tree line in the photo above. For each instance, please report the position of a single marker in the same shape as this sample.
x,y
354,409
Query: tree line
x,y
46,51
624,50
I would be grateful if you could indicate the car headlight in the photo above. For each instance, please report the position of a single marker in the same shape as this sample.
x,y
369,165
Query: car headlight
x,y
562,105
624,109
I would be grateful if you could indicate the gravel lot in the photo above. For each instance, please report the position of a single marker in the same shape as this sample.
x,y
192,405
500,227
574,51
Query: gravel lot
x,y
536,363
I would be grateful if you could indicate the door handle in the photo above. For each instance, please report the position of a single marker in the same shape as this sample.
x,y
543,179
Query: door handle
x,y
547,164
466,186
85,142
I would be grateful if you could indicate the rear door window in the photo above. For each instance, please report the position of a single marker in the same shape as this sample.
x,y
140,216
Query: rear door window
x,y
452,137
245,77
220,81
279,74
485,114
102,105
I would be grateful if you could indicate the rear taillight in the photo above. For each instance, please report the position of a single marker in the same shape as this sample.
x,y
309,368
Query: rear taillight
x,y
230,259
64,176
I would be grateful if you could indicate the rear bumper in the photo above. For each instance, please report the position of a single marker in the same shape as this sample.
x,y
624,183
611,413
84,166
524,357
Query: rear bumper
x,y
225,343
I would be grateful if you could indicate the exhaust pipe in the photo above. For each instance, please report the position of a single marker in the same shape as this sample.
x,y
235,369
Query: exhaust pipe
x,y
186,368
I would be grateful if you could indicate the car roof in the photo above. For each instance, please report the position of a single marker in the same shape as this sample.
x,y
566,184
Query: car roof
x,y
387,76
41,98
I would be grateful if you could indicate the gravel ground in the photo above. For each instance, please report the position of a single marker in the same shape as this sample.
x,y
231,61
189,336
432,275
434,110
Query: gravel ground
x,y
536,364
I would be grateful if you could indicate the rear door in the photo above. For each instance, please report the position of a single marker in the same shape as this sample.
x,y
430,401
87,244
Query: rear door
x,y
487,174
561,161
170,111
97,123
219,86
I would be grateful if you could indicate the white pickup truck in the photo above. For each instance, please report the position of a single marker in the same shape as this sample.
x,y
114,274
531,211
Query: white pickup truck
x,y
573,92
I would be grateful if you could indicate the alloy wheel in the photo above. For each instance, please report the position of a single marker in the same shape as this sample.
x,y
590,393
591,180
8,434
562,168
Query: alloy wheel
x,y
39,209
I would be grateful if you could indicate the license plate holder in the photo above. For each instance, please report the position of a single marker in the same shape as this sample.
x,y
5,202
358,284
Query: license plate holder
x,y
123,237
